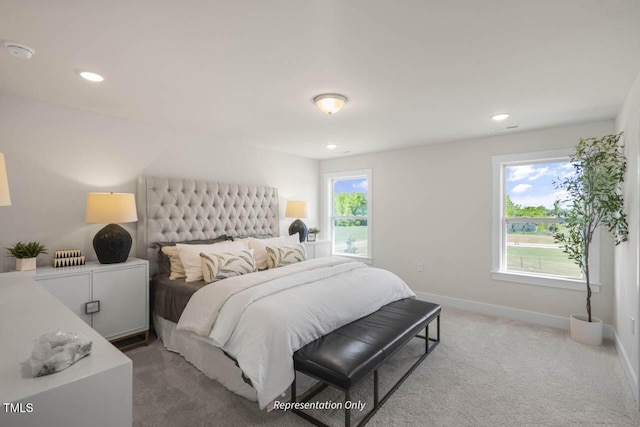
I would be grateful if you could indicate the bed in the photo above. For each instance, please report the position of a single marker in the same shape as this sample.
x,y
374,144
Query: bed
x,y
242,331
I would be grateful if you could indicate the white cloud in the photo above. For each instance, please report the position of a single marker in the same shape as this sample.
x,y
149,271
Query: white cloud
x,y
521,188
533,172
362,185
538,173
517,173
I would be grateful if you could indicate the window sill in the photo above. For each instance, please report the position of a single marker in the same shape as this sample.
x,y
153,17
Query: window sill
x,y
551,282
364,259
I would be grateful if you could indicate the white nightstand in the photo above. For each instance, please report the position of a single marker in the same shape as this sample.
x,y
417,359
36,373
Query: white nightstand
x,y
318,249
119,293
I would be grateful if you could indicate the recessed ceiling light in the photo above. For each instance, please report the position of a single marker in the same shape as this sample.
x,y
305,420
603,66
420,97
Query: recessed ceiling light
x,y
92,77
331,146
499,117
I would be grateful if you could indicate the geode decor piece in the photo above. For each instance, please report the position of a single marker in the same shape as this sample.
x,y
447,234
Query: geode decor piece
x,y
56,351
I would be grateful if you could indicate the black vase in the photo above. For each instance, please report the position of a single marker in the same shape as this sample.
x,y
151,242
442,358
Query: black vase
x,y
112,244
298,226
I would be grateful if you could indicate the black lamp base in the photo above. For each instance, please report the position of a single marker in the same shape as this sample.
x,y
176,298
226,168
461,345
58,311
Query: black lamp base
x,y
300,227
112,244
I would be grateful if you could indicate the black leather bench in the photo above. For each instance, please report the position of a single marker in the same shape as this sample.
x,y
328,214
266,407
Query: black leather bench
x,y
345,356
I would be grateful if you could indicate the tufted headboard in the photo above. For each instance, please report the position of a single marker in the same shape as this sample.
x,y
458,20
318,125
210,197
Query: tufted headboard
x,y
175,210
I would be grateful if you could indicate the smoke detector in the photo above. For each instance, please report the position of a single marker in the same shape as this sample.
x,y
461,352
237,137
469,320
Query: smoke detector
x,y
506,128
19,50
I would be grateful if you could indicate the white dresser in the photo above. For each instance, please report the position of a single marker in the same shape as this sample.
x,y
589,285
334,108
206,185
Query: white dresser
x,y
96,391
120,293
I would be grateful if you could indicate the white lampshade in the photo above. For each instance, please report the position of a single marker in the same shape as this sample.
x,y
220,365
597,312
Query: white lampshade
x,y
5,197
330,102
111,208
296,209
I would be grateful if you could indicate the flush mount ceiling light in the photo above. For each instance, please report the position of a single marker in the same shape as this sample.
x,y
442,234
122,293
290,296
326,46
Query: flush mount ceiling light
x,y
19,50
500,117
331,146
330,103
92,77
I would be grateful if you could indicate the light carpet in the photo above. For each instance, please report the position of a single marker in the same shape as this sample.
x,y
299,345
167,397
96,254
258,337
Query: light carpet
x,y
487,371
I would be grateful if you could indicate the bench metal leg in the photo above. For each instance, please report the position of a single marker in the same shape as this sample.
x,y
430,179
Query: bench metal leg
x,y
375,389
426,341
293,387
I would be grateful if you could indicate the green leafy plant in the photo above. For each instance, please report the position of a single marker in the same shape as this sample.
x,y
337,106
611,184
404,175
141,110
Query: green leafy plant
x,y
593,198
26,250
314,230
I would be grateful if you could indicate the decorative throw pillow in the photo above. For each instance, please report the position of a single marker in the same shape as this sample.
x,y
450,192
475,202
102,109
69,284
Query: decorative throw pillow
x,y
221,266
177,269
284,255
259,247
190,256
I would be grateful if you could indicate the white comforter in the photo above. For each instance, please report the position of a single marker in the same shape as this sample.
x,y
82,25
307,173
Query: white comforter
x,y
262,318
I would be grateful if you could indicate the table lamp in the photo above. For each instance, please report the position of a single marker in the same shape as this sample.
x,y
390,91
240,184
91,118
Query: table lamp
x,y
113,243
5,197
297,209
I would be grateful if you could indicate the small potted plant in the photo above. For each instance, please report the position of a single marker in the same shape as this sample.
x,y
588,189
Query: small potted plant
x,y
312,234
25,254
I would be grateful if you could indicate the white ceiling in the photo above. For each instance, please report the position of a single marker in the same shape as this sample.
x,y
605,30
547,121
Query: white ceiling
x,y
415,71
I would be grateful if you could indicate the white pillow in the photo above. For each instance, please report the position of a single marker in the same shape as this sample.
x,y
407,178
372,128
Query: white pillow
x,y
221,266
190,256
284,255
259,247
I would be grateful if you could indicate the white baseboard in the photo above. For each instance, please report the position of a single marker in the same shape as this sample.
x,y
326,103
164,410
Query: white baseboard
x,y
560,322
632,377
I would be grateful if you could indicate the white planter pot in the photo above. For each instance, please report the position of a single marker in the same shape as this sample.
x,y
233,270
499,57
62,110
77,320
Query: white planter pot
x,y
23,264
586,332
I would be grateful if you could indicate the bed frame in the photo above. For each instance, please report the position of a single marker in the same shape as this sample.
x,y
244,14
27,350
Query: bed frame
x,y
176,210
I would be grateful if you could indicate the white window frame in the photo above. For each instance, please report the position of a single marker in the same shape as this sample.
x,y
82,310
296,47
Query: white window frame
x,y
329,178
499,237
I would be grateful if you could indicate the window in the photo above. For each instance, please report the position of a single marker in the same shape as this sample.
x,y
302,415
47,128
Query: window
x,y
527,212
348,213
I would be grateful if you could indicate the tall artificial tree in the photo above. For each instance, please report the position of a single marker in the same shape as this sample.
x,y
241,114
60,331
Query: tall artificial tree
x,y
594,198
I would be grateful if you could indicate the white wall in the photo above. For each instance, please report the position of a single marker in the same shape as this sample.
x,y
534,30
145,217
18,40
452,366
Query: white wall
x,y
56,155
432,204
627,295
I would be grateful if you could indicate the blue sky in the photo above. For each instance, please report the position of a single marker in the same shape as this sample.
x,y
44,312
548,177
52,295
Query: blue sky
x,y
358,185
532,184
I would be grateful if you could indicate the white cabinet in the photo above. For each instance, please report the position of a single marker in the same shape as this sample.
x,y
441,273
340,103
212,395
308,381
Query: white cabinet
x,y
318,249
121,291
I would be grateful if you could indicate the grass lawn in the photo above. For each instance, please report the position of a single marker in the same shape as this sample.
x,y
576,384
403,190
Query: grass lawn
x,y
541,260
530,238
